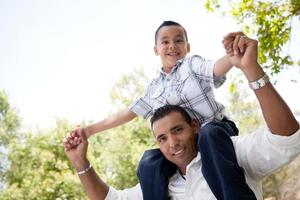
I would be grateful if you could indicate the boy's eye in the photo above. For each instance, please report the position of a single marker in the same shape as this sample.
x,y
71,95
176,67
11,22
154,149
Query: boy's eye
x,y
164,42
179,40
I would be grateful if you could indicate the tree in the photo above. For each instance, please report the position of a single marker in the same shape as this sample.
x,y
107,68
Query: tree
x,y
9,124
271,21
118,151
9,120
243,110
38,168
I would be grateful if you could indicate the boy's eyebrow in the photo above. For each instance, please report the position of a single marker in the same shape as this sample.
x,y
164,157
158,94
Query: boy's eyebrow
x,y
163,38
167,37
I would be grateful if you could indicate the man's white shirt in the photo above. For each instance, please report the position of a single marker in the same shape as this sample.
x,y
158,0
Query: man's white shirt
x,y
259,154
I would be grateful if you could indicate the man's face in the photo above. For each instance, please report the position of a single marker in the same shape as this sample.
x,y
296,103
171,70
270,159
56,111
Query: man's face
x,y
171,45
176,139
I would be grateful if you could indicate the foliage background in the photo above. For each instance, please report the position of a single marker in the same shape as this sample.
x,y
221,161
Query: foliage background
x,y
34,166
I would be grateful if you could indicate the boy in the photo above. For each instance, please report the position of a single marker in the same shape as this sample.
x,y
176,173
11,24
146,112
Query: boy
x,y
185,81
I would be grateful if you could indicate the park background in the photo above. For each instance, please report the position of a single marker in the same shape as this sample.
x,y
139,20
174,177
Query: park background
x,y
68,62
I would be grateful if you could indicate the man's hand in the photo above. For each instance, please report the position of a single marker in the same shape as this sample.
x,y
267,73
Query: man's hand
x,y
74,137
242,50
75,145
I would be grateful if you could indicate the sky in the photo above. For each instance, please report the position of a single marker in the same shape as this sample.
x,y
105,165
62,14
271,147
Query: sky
x,y
60,58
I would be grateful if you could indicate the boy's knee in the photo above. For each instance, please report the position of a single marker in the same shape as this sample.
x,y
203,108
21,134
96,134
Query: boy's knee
x,y
211,132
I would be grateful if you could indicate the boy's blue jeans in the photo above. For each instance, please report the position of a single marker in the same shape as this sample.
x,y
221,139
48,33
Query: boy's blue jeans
x,y
219,166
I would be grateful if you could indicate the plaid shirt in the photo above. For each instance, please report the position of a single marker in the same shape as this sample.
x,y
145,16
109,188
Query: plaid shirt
x,y
189,85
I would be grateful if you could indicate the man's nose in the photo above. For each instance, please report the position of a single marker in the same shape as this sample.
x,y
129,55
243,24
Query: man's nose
x,y
172,141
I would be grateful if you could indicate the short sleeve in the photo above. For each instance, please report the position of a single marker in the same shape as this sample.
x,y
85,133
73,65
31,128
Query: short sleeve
x,y
204,69
142,106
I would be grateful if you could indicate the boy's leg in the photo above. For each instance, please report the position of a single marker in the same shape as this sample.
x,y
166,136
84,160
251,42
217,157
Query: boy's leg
x,y
220,169
154,171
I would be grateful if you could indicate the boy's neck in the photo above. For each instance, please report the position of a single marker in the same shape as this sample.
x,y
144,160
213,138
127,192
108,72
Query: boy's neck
x,y
168,70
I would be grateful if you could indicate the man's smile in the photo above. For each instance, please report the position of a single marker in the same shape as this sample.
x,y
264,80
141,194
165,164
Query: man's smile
x,y
178,153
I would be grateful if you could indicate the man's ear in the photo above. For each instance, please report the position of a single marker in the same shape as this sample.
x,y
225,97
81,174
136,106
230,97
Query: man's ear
x,y
156,51
195,126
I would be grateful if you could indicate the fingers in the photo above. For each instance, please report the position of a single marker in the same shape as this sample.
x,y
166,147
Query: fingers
x,y
233,35
239,45
73,139
234,43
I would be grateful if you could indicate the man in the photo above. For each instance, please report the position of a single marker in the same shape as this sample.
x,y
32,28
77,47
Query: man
x,y
259,154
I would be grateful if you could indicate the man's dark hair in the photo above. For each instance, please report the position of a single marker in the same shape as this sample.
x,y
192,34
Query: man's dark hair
x,y
167,109
170,23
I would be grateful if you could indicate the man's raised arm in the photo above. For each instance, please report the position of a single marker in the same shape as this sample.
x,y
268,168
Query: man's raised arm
x,y
94,187
276,112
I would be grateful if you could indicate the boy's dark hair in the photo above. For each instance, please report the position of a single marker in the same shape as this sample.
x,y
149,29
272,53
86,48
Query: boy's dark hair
x,y
167,109
170,23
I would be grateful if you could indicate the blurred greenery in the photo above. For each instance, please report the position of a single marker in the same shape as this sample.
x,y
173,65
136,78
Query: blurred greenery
x,y
271,21
34,166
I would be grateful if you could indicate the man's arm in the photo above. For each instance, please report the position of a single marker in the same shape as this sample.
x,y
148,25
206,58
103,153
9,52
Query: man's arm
x,y
94,187
276,112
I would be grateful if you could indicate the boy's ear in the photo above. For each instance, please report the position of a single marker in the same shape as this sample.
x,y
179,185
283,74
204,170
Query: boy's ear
x,y
155,50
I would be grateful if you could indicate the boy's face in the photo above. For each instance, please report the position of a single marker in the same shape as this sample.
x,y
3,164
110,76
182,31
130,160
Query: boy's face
x,y
171,45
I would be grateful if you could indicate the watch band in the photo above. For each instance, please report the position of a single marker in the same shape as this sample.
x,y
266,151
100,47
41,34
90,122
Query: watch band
x,y
260,82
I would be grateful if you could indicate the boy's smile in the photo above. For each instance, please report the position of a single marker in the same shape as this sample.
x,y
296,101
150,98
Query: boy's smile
x,y
171,46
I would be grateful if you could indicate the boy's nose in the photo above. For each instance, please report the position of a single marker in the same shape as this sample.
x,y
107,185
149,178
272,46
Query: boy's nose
x,y
172,45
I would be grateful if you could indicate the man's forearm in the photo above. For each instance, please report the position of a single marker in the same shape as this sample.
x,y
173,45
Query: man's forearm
x,y
94,187
276,112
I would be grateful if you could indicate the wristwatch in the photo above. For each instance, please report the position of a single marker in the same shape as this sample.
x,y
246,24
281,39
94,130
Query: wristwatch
x,y
260,82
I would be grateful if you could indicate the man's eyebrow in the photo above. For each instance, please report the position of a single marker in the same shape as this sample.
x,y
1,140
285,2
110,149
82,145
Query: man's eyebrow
x,y
159,136
176,127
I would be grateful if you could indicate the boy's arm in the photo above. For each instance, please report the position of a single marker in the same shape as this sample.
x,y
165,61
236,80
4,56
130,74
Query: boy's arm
x,y
112,121
222,66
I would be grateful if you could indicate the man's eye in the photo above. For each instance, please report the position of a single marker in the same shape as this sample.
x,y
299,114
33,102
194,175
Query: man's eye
x,y
161,139
178,130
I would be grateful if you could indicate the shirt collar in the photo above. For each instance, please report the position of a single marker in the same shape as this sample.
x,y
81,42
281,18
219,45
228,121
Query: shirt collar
x,y
178,64
195,162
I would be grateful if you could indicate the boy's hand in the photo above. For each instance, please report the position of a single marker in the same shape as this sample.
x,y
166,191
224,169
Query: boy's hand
x,y
74,138
243,50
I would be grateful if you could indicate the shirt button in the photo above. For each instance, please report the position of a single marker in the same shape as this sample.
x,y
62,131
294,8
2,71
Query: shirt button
x,y
168,79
